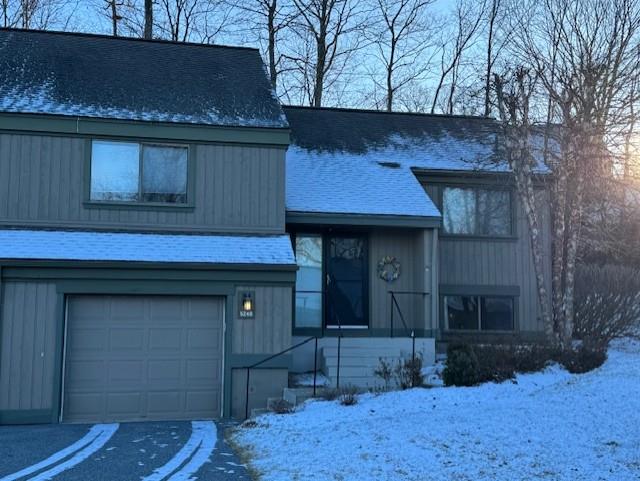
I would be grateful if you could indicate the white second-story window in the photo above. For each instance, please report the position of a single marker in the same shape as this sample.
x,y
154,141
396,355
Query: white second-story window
x,y
138,172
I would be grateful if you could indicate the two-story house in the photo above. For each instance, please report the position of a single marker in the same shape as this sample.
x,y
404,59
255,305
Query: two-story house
x,y
165,223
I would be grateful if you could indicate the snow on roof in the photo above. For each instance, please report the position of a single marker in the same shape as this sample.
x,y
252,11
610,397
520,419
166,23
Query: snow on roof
x,y
125,247
343,183
131,79
339,158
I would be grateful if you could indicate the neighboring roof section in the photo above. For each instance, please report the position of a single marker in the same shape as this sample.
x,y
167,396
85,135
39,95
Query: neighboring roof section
x,y
130,79
347,183
430,142
156,248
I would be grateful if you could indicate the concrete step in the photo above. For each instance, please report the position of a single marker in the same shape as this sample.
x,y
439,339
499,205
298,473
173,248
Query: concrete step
x,y
362,382
349,371
374,342
372,362
296,396
362,351
258,412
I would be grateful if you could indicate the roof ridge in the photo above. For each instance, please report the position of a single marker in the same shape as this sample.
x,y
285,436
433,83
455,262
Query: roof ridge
x,y
385,112
125,39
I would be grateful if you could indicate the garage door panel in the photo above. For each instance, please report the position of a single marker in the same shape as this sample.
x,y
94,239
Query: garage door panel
x,y
143,358
167,338
165,402
126,339
199,401
127,309
125,404
126,374
202,338
86,374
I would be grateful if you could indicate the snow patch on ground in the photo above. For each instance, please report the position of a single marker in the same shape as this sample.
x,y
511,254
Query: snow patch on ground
x,y
305,379
549,425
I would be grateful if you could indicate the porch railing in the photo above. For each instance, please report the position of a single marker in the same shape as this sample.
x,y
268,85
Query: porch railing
x,y
396,307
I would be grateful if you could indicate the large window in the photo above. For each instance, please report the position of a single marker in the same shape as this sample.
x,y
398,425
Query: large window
x,y
476,211
135,172
479,313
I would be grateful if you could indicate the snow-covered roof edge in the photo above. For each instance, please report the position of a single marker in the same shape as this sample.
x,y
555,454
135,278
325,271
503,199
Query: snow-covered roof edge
x,y
48,245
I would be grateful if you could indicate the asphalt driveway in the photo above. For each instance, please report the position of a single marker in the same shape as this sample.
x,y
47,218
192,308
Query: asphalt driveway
x,y
150,451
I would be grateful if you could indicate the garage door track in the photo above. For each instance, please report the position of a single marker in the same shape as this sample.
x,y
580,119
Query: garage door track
x,y
149,451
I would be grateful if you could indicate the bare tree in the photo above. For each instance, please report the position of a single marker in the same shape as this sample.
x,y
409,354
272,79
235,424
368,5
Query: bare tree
x,y
148,19
514,103
267,20
585,55
468,18
328,24
36,14
401,37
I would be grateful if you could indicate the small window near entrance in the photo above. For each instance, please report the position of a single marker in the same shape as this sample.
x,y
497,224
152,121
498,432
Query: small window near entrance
x,y
309,281
479,313
138,173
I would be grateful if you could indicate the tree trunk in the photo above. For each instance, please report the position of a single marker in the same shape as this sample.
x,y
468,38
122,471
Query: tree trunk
x,y
390,68
114,17
148,19
271,49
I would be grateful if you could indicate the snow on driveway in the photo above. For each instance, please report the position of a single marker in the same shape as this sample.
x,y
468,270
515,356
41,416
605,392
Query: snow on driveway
x,y
549,426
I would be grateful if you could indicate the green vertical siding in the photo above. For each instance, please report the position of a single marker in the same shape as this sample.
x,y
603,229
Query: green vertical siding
x,y
27,345
238,188
498,262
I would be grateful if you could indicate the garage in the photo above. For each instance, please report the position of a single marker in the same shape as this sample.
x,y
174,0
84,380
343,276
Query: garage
x,y
134,358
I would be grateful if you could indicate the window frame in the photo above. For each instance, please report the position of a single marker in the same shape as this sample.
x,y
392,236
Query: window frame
x,y
325,330
139,204
479,297
512,235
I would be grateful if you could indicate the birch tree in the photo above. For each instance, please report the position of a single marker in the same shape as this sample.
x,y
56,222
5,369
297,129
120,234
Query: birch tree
x,y
584,55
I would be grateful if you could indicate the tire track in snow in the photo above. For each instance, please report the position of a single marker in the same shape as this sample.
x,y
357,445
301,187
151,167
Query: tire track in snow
x,y
90,437
202,441
108,430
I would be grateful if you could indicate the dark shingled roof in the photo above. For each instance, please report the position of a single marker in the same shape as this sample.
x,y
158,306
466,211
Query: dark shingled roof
x,y
131,79
363,131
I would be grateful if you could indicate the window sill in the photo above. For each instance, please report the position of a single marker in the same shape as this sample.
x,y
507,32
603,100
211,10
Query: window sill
x,y
91,204
481,238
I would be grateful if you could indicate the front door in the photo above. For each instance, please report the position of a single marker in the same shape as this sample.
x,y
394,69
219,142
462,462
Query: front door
x,y
346,300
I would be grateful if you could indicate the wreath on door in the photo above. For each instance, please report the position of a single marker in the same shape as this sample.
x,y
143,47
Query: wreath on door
x,y
389,269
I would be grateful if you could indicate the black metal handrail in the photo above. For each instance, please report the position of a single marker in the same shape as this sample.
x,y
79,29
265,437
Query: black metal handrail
x,y
273,356
411,332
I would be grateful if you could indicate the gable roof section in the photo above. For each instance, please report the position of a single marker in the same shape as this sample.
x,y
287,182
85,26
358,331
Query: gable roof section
x,y
346,161
44,245
104,77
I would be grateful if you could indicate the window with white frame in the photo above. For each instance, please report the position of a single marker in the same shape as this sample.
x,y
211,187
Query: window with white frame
x,y
138,172
479,313
477,211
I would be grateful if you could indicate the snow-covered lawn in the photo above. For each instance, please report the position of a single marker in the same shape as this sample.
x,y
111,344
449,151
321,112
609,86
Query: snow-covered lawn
x,y
550,425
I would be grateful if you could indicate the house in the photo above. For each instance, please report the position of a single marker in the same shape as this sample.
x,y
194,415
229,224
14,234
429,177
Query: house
x,y
165,224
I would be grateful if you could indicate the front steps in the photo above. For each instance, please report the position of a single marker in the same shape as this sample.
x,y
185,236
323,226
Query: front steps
x,y
360,356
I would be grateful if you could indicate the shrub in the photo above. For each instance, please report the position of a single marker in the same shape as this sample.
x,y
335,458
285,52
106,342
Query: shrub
x,y
462,367
406,373
582,359
348,395
468,365
607,304
280,406
385,372
329,394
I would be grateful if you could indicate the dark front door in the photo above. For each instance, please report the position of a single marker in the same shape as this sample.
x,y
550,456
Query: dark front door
x,y
346,297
